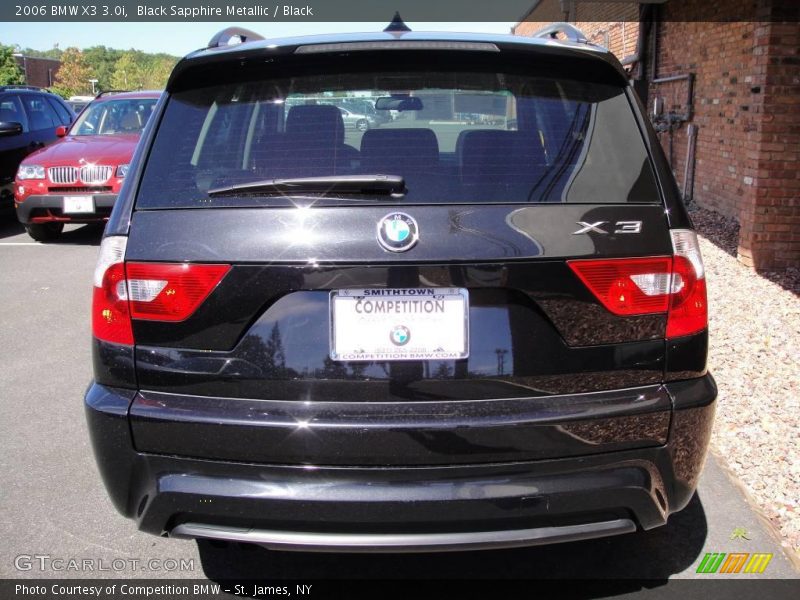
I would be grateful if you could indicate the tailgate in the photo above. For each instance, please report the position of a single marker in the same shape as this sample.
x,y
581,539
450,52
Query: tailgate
x,y
250,372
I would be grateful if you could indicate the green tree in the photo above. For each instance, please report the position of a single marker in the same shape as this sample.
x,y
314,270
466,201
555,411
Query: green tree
x,y
158,71
113,69
276,357
54,52
129,71
102,61
74,74
10,71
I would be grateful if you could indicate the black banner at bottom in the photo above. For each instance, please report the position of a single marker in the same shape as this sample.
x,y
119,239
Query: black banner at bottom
x,y
204,589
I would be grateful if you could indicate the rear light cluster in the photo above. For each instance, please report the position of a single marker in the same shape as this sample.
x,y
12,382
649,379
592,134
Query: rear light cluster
x,y
147,291
674,285
625,286
169,291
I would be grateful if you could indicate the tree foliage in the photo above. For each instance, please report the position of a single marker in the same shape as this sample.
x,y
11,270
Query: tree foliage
x,y
129,71
135,70
112,68
10,71
102,61
72,78
54,52
159,71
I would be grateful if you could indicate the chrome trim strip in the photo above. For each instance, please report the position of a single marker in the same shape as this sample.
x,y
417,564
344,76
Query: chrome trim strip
x,y
404,542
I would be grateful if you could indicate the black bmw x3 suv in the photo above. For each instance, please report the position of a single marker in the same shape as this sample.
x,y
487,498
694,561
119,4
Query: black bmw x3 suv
x,y
481,323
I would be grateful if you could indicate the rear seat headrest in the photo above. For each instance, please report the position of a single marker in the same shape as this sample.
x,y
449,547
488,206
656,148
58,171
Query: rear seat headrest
x,y
487,153
414,149
322,121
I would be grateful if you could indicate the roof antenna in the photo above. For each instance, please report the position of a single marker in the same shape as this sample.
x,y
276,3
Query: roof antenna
x,y
397,24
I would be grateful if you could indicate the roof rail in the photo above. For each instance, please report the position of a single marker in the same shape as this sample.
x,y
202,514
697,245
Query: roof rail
x,y
232,36
109,92
22,87
551,32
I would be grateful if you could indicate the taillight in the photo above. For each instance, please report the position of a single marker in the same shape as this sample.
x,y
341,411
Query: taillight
x,y
639,286
627,286
170,291
149,291
688,310
111,320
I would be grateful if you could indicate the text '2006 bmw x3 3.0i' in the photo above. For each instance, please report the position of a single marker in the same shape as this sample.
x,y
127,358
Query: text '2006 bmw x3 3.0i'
x,y
479,323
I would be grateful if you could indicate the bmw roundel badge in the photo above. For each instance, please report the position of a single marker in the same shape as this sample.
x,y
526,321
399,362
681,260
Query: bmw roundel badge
x,y
399,335
397,232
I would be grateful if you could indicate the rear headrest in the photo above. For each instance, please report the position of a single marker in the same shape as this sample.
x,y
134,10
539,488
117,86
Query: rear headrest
x,y
412,150
322,121
489,154
130,121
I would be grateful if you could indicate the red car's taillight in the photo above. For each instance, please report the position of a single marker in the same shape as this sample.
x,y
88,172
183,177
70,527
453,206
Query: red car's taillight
x,y
640,286
149,291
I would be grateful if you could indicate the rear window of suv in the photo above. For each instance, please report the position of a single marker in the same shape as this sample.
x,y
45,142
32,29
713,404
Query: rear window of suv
x,y
455,137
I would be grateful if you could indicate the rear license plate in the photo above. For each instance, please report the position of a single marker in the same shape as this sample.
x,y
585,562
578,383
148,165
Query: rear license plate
x,y
399,324
78,204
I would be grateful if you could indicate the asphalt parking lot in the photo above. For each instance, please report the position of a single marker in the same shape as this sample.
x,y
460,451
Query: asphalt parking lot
x,y
52,501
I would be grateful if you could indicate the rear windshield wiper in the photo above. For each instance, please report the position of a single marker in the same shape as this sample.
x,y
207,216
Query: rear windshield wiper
x,y
371,185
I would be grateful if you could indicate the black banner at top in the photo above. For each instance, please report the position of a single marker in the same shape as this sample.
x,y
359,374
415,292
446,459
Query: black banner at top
x,y
382,10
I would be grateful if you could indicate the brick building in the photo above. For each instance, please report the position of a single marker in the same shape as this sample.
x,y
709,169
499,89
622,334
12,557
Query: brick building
x,y
727,95
40,72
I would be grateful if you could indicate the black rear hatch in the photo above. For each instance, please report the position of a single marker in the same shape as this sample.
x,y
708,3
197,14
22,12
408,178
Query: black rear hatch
x,y
507,174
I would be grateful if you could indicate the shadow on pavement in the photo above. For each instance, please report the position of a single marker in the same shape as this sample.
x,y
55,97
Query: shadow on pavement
x,y
627,562
83,235
9,226
87,235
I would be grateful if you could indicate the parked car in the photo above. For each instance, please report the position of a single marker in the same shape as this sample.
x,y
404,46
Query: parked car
x,y
29,117
440,339
354,120
366,106
77,179
78,103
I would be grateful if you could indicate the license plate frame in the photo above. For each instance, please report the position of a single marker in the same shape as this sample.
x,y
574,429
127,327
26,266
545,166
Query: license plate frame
x,y
78,205
417,322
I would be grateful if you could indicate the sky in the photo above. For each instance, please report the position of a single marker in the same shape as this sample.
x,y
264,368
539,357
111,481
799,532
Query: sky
x,y
181,38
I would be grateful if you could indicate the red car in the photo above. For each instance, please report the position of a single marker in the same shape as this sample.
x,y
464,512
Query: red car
x,y
77,178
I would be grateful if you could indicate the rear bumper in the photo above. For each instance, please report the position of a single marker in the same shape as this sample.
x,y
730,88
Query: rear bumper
x,y
48,208
402,508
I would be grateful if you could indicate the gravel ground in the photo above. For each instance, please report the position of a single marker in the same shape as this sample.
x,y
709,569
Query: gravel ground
x,y
755,358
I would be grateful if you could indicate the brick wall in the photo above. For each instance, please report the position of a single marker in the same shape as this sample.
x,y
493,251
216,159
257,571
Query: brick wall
x,y
40,72
727,106
746,108
770,233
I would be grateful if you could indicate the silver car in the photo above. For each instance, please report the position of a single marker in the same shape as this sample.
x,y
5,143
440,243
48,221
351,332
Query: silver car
x,y
357,121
